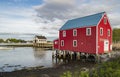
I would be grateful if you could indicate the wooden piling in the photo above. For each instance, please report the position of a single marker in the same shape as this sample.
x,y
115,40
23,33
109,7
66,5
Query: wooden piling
x,y
71,55
64,55
78,55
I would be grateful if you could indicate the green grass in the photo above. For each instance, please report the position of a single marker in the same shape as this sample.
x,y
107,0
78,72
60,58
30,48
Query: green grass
x,y
107,69
116,35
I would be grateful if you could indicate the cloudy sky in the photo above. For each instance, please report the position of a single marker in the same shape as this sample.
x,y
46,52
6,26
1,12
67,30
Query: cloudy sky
x,y
47,16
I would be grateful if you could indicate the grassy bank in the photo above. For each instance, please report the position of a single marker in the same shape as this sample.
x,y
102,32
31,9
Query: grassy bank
x,y
107,69
116,35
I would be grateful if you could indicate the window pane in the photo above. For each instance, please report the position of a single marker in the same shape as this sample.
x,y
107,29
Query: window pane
x,y
88,31
105,20
74,43
64,33
62,42
74,32
101,31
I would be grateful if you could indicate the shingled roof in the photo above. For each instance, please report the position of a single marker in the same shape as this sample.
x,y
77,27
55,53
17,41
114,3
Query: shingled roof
x,y
41,37
91,20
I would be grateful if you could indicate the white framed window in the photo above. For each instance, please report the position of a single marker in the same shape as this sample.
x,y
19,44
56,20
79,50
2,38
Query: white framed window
x,y
56,42
74,43
105,20
88,31
64,33
108,32
101,31
62,42
74,32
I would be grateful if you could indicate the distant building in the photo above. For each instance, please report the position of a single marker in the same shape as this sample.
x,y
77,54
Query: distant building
x,y
39,40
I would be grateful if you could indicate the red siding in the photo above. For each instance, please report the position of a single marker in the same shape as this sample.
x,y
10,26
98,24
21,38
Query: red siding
x,y
86,44
56,44
105,35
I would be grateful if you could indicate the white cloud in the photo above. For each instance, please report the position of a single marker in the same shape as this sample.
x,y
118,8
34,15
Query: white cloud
x,y
23,21
47,18
17,20
63,10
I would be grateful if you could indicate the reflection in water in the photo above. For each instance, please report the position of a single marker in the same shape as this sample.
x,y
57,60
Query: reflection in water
x,y
39,53
24,57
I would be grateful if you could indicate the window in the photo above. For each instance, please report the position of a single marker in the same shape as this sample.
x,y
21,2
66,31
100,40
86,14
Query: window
x,y
88,31
108,32
74,43
62,42
101,31
105,20
64,33
56,42
74,32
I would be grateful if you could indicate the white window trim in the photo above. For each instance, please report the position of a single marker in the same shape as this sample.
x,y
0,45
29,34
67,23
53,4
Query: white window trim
x,y
74,31
101,33
64,33
108,32
73,43
105,19
61,43
56,42
87,32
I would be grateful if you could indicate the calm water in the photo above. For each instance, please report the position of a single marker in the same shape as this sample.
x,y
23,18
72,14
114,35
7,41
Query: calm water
x,y
20,57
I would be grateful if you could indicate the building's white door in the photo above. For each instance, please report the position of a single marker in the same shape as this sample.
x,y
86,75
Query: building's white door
x,y
106,46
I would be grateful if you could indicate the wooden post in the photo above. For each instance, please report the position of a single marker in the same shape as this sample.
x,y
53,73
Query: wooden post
x,y
98,58
71,55
53,54
59,53
78,55
56,56
109,54
56,53
64,54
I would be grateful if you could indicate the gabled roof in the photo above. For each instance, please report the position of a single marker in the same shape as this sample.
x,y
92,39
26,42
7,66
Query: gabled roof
x,y
91,20
41,37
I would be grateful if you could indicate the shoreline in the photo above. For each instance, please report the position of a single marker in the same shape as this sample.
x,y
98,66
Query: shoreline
x,y
56,70
50,71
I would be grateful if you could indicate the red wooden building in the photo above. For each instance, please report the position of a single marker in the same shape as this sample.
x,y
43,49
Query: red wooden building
x,y
90,34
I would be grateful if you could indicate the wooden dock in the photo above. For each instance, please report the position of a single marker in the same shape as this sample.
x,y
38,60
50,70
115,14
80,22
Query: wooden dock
x,y
44,45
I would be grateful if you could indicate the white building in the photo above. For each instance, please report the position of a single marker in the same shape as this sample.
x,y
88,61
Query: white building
x,y
38,40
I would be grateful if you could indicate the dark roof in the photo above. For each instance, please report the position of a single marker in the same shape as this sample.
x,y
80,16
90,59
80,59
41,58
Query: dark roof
x,y
41,37
91,20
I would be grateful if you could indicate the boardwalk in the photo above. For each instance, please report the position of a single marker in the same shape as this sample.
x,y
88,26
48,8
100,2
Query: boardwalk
x,y
46,45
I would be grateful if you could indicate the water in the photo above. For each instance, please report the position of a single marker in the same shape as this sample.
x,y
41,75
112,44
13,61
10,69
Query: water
x,y
21,57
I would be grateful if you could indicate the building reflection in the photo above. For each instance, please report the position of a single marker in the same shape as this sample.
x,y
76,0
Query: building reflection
x,y
46,59
39,53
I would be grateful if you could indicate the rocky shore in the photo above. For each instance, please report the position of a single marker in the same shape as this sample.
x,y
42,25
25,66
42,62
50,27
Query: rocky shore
x,y
49,72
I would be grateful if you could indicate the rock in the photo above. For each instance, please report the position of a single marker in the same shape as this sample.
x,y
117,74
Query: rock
x,y
84,69
45,75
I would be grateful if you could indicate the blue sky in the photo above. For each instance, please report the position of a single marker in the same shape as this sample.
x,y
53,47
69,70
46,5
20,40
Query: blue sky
x,y
47,16
19,3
